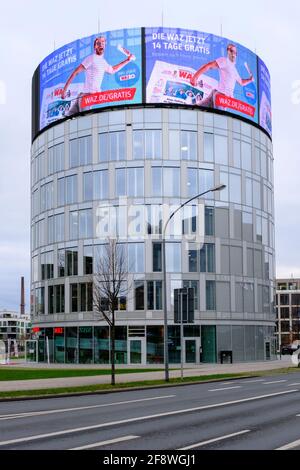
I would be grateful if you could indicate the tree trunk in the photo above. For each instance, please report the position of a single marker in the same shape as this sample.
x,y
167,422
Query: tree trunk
x,y
112,333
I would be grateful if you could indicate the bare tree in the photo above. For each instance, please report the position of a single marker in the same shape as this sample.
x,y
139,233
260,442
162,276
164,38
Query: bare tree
x,y
109,283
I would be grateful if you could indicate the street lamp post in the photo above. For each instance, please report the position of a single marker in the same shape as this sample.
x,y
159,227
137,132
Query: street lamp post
x,y
166,352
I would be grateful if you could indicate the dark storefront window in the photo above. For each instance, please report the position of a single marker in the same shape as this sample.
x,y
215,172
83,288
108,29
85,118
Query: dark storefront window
x,y
85,344
155,345
102,345
121,345
174,344
72,345
59,345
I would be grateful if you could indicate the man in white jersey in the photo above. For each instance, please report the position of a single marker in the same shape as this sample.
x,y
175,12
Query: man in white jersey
x,y
228,76
94,66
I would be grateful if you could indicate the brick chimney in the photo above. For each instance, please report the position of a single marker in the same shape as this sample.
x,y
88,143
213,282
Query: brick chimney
x,y
22,305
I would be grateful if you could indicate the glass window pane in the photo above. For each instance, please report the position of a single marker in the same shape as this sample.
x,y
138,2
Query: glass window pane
x,y
174,145
221,149
88,186
156,181
120,182
138,145
208,147
103,147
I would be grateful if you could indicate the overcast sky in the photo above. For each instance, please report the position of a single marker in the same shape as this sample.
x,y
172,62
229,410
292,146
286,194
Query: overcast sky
x,y
29,31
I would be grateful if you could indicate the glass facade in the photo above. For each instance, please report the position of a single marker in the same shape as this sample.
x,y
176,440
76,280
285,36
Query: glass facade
x,y
155,158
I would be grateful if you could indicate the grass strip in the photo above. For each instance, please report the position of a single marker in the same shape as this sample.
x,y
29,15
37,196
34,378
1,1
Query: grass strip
x,y
36,374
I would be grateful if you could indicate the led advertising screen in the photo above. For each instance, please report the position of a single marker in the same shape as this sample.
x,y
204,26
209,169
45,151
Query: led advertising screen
x,y
265,110
200,69
100,70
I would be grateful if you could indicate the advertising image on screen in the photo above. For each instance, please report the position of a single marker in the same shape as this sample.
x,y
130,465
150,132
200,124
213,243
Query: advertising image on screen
x,y
200,69
265,110
100,70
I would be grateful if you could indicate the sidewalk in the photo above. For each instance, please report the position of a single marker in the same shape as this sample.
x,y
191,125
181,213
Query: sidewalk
x,y
192,371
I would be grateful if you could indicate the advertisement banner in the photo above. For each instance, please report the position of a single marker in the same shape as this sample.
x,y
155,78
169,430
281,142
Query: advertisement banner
x,y
100,70
265,109
200,69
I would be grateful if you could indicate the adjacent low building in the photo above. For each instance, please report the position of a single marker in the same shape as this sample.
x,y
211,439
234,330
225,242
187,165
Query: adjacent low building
x,y
14,326
288,311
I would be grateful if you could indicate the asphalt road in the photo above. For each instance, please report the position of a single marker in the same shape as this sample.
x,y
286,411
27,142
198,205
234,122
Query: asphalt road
x,y
251,414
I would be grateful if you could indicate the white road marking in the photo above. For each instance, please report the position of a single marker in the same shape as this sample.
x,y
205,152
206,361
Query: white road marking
x,y
294,385
104,443
65,410
292,445
221,389
140,418
204,443
275,382
254,381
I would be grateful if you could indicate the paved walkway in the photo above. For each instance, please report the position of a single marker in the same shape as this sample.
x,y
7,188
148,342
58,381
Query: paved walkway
x,y
197,370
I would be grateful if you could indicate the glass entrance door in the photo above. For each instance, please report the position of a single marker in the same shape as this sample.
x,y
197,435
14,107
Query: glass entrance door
x,y
135,351
190,351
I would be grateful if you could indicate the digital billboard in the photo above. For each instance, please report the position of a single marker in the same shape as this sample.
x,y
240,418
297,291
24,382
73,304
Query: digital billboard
x,y
265,110
151,66
96,71
200,69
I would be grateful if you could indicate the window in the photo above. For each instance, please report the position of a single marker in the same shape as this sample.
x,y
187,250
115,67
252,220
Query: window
x,y
47,196
206,181
157,257
71,189
139,295
95,185
194,285
87,260
120,182
40,301
117,145
237,153
154,220
246,156
166,182
235,188
47,265
221,150
256,194
135,182
71,256
61,192
192,182
81,297
136,262
209,221
202,260
59,298
173,257
81,151
210,295
112,146
100,184
61,263
81,224
56,228
188,145
147,144
56,158
208,147
156,181
154,295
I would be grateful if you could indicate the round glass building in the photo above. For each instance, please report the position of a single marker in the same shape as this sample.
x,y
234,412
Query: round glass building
x,y
116,161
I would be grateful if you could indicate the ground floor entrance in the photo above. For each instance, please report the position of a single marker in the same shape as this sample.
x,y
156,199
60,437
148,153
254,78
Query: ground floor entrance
x,y
141,345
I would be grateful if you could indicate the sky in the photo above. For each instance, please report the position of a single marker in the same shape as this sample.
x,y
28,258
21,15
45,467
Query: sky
x,y
31,29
